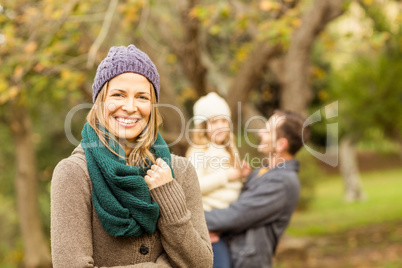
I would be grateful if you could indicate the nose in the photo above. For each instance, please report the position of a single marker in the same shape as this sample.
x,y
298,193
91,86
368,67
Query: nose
x,y
130,106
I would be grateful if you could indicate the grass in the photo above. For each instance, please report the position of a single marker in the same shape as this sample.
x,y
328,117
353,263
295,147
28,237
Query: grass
x,y
329,213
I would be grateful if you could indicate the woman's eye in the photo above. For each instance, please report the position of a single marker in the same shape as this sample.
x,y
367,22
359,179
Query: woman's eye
x,y
117,95
143,97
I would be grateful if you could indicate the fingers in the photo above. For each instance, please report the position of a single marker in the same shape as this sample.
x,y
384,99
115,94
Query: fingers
x,y
151,172
158,174
162,163
158,167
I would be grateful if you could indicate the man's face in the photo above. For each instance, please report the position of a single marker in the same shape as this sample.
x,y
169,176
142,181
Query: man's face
x,y
268,143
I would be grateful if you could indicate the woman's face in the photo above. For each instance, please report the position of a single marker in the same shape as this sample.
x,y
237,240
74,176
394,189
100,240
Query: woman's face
x,y
218,130
128,105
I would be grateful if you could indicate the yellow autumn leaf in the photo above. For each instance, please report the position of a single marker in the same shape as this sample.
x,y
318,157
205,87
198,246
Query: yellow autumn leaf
x,y
38,68
30,47
3,85
57,14
323,95
171,58
187,94
214,30
368,2
296,22
65,74
18,71
13,91
266,5
318,72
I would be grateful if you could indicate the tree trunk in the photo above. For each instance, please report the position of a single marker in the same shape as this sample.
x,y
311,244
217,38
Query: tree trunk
x,y
187,48
248,76
296,90
36,253
350,171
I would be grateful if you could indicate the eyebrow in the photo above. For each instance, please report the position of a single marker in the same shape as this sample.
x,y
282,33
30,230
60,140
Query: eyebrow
x,y
117,89
123,91
143,92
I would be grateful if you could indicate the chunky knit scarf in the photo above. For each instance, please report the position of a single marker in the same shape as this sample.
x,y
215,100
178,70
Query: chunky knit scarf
x,y
119,193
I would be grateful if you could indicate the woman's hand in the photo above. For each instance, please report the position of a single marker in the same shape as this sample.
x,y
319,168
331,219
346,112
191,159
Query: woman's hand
x,y
158,175
234,174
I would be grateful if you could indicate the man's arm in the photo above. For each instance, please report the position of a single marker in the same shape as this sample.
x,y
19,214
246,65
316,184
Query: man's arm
x,y
260,204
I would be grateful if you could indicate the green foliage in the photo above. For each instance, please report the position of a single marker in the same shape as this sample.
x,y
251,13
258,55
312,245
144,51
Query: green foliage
x,y
10,247
369,91
309,174
7,163
38,53
329,213
233,29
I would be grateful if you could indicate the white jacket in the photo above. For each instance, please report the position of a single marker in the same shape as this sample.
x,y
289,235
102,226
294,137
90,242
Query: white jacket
x,y
211,165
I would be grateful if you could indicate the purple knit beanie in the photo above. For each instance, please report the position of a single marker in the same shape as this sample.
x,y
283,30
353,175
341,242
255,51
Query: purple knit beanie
x,y
125,60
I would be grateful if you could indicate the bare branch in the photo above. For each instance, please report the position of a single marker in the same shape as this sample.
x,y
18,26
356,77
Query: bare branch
x,y
103,33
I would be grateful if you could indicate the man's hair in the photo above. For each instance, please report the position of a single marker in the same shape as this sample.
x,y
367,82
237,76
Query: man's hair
x,y
292,129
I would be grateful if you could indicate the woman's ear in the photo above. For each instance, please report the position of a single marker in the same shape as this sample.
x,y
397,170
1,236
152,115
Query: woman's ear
x,y
282,145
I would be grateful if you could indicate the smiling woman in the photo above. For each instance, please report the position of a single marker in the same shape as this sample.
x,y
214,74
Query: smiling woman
x,y
128,106
114,202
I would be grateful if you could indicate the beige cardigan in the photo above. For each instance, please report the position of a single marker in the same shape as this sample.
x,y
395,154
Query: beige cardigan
x,y
211,166
78,239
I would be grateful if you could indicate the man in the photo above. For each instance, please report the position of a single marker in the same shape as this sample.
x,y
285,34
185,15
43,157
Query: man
x,y
254,223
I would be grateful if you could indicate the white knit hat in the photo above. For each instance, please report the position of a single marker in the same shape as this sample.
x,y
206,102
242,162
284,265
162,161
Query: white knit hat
x,y
209,106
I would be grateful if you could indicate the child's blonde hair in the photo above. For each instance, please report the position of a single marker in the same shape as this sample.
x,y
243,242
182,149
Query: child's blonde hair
x,y
200,138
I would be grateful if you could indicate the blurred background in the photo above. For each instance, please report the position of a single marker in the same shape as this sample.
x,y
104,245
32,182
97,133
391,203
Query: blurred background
x,y
340,60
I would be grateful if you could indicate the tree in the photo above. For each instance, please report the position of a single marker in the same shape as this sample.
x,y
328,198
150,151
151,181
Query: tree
x,y
38,58
369,83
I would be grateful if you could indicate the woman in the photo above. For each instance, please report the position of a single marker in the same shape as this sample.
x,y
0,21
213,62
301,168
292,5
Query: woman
x,y
121,199
216,160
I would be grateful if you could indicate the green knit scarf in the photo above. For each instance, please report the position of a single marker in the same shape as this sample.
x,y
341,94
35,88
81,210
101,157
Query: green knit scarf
x,y
119,193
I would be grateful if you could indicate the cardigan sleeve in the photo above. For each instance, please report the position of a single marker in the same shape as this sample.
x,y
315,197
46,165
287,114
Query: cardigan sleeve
x,y
208,182
71,207
184,233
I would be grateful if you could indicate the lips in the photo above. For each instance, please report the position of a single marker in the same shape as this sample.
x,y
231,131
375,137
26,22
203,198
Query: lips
x,y
127,121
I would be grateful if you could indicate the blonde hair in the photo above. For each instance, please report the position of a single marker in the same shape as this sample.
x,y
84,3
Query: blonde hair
x,y
140,153
201,140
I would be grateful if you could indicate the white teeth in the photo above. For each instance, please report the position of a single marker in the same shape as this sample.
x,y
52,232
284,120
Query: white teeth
x,y
126,121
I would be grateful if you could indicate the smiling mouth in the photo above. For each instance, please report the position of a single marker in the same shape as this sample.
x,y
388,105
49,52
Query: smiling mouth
x,y
127,121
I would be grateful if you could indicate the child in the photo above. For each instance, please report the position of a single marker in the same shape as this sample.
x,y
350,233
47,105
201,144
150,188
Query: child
x,y
213,153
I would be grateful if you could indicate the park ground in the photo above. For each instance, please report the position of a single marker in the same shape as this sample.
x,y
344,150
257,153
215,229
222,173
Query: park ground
x,y
333,233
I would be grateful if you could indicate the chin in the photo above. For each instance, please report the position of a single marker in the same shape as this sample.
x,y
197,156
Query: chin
x,y
127,136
